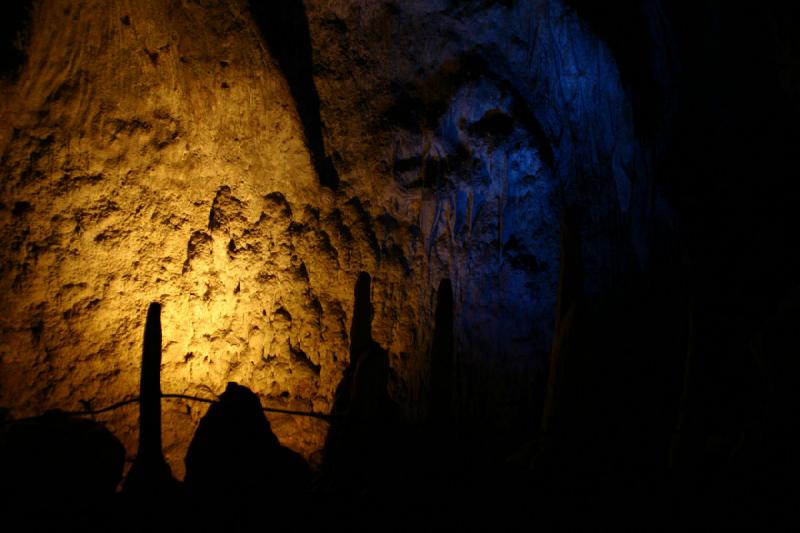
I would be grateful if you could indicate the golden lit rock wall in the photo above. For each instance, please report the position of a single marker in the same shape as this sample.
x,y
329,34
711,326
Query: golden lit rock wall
x,y
151,151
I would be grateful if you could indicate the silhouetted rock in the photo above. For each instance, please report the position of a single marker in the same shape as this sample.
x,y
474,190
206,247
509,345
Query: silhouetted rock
x,y
58,462
357,448
443,358
150,475
236,470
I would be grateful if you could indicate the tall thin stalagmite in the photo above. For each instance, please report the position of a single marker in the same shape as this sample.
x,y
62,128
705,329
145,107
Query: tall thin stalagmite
x,y
150,472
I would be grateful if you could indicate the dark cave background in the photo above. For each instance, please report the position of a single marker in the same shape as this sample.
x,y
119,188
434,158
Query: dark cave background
x,y
673,393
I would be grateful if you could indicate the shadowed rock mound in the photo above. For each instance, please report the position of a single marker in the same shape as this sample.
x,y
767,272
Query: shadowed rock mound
x,y
58,470
236,462
359,442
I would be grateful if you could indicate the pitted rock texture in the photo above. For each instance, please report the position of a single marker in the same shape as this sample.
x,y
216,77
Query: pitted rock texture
x,y
153,151
144,161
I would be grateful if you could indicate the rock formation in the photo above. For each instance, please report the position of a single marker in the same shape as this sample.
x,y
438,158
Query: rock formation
x,y
571,217
163,151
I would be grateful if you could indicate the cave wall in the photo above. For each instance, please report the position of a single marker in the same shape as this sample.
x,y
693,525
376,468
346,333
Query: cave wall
x,y
478,122
145,160
169,151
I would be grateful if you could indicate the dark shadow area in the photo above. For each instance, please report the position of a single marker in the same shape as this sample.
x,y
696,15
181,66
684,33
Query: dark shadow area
x,y
238,476
361,449
284,27
732,165
675,394
15,21
360,342
58,472
443,359
361,325
626,27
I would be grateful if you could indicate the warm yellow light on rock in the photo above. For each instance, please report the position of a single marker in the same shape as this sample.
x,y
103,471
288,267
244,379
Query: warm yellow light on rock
x,y
135,177
153,152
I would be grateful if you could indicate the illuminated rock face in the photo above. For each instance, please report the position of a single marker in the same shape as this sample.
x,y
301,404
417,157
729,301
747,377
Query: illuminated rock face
x,y
147,160
153,151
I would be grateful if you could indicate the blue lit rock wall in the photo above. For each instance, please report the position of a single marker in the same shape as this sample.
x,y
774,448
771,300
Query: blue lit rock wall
x,y
476,123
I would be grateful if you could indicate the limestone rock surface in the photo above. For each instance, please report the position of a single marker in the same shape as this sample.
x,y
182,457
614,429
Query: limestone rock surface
x,y
155,150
